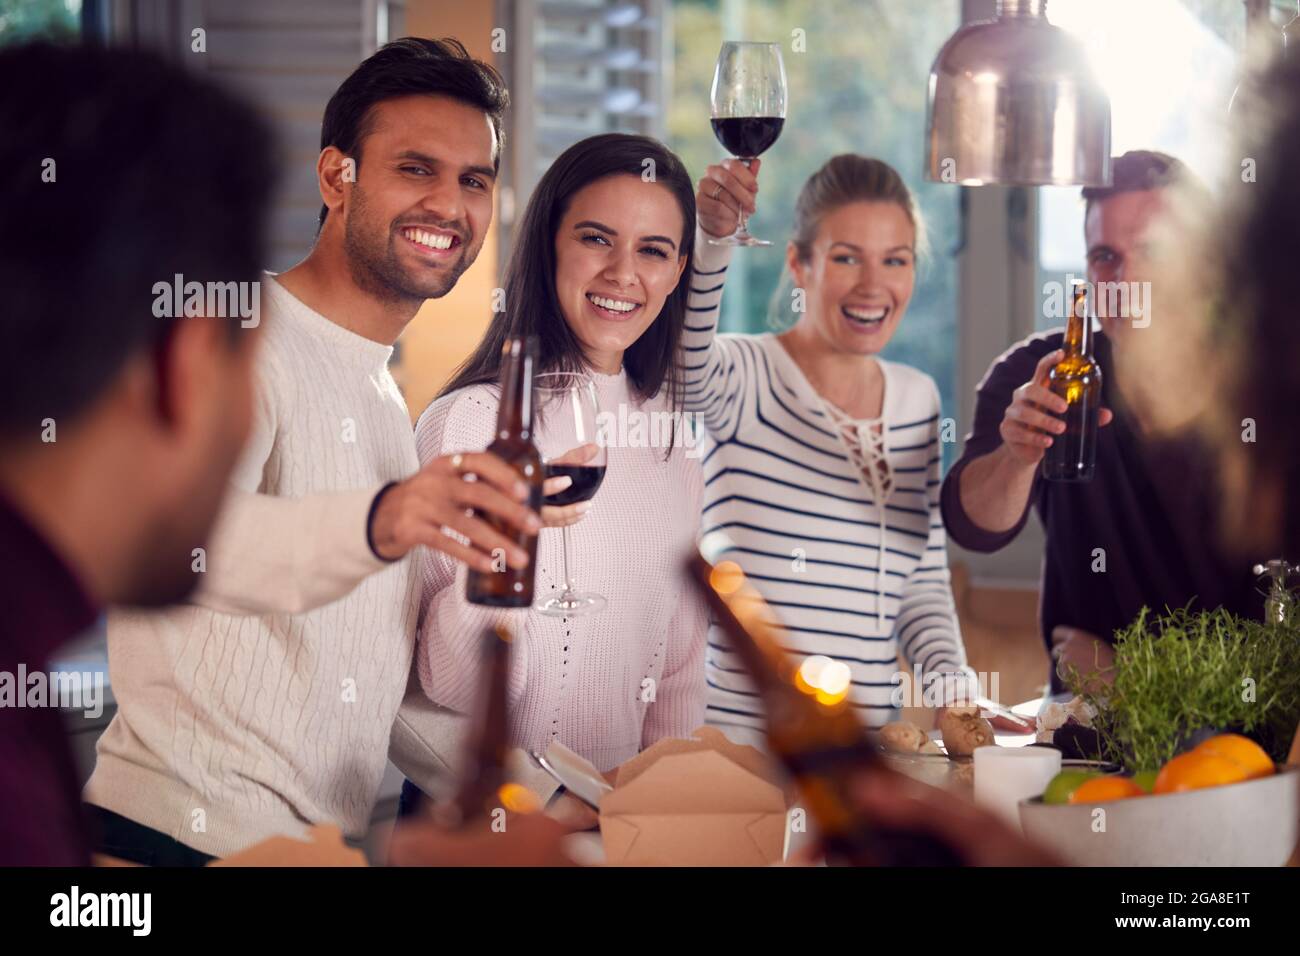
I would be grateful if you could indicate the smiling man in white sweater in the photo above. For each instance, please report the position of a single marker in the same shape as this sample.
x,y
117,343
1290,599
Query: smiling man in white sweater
x,y
267,704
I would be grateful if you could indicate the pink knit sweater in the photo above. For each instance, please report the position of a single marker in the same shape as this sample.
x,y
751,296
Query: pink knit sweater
x,y
606,684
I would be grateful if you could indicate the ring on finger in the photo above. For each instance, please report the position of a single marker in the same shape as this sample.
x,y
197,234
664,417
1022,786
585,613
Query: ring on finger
x,y
457,461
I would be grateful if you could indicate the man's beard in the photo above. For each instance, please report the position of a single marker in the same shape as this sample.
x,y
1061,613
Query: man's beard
x,y
376,269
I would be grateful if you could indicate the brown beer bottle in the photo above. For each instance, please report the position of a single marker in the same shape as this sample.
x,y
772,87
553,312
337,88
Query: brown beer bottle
x,y
1077,379
513,587
483,786
816,736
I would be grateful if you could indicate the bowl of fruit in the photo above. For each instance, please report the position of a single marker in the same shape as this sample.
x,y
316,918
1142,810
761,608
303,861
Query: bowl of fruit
x,y
1221,803
1200,709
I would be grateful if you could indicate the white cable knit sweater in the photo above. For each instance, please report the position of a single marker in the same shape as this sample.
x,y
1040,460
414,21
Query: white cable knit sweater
x,y
583,680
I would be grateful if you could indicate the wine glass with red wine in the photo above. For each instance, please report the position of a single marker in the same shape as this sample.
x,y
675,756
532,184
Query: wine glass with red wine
x,y
748,100
567,437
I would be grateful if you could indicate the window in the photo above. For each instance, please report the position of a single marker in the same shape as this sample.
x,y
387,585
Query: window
x,y
858,86
1169,67
23,20
583,67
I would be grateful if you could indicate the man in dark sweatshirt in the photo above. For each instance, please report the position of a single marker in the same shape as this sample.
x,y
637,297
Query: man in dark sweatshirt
x,y
122,412
1142,532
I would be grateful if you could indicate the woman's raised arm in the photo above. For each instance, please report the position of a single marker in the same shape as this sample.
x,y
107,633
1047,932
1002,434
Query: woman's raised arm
x,y
714,371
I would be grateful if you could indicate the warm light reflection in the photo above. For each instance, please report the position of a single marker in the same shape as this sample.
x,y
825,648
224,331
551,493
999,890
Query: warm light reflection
x,y
518,799
726,578
808,677
825,679
836,678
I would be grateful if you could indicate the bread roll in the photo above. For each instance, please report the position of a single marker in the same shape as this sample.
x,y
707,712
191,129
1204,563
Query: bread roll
x,y
901,737
963,730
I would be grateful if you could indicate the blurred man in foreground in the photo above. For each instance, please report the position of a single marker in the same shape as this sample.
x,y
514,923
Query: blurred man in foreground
x,y
121,416
1228,367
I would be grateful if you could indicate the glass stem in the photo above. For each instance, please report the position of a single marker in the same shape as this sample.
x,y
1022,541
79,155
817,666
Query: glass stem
x,y
742,229
568,581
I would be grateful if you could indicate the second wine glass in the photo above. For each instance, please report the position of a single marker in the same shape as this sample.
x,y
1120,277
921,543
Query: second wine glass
x,y
566,434
748,101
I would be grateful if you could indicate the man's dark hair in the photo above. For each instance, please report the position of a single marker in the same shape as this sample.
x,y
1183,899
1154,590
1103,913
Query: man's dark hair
x,y
120,171
406,67
1135,171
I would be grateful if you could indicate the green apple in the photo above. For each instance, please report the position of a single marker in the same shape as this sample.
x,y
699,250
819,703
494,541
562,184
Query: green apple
x,y
1063,785
1146,779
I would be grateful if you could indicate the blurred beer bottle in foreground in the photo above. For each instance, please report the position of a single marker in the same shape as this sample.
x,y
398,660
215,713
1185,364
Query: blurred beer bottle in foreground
x,y
484,787
814,734
506,586
1077,379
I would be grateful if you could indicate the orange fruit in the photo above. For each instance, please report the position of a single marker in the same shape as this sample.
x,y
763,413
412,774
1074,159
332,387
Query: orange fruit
x,y
1240,750
1194,770
1101,789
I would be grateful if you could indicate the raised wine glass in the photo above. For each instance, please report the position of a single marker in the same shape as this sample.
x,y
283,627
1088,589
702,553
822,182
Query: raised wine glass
x,y
748,101
568,440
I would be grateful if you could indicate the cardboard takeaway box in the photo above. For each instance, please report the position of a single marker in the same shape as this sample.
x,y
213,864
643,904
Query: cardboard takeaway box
x,y
700,801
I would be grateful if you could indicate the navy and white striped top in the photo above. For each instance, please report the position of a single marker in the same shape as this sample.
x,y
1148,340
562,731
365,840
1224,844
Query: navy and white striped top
x,y
853,579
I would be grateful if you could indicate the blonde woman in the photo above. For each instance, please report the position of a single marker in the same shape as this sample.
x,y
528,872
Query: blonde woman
x,y
822,462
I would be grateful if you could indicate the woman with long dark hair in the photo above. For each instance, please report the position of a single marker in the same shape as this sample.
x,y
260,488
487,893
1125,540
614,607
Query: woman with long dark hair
x,y
595,277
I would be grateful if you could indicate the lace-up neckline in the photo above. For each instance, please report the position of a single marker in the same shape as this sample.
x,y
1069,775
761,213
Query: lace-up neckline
x,y
864,439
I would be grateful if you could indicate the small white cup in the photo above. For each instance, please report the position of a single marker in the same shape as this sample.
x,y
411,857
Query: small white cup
x,y
1006,775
